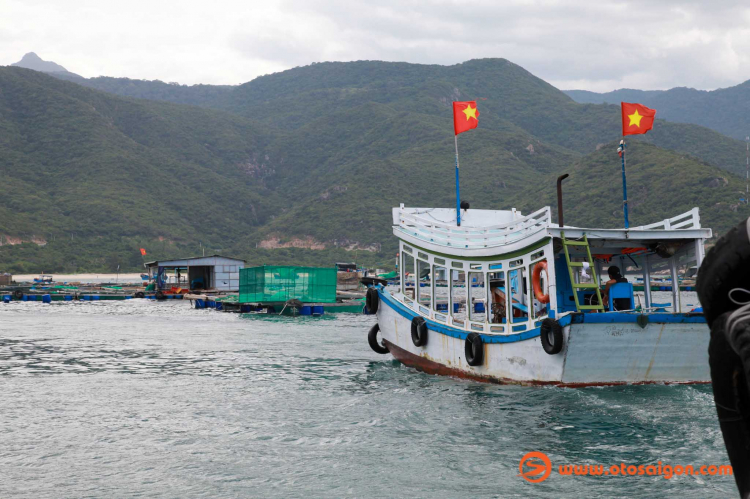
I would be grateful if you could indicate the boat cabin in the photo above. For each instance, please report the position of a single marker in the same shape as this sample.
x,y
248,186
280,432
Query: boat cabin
x,y
502,272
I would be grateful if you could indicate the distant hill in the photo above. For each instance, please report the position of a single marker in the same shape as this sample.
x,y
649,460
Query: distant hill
x,y
726,110
33,61
304,166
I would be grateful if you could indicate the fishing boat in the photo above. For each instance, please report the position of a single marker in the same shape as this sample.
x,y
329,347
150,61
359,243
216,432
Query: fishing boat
x,y
43,279
524,302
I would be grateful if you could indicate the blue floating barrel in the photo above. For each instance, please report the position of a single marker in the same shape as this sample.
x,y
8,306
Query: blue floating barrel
x,y
68,298
6,298
200,303
95,297
318,310
305,310
219,305
246,309
46,299
479,307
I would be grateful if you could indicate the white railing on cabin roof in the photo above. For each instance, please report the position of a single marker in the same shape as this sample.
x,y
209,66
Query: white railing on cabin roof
x,y
688,220
473,237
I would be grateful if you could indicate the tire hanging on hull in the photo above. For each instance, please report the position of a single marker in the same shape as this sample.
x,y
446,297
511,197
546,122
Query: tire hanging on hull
x,y
474,350
419,331
551,334
372,300
372,339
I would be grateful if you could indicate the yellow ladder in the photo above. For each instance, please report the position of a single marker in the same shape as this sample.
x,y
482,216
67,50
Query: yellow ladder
x,y
576,286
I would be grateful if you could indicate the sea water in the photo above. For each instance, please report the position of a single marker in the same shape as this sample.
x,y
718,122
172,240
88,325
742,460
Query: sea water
x,y
139,398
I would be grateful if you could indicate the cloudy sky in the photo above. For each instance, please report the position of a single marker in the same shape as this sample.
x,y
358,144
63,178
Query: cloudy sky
x,y
597,45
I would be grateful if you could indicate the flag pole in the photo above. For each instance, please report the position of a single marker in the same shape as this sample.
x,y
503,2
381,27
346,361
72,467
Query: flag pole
x,y
458,190
624,184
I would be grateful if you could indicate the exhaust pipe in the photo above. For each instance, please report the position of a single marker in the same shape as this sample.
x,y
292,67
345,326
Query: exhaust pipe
x,y
559,200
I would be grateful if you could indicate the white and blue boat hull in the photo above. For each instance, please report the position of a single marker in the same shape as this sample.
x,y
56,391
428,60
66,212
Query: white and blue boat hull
x,y
598,349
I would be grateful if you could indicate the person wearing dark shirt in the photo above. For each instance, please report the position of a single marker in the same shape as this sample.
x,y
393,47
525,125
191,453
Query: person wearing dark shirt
x,y
615,276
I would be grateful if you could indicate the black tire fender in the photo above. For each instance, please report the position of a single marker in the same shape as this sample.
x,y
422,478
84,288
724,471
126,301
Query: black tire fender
x,y
160,295
724,268
18,294
419,331
139,294
474,349
372,300
551,334
372,339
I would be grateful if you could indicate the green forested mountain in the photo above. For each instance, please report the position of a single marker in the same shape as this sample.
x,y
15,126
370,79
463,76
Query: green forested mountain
x,y
315,157
726,110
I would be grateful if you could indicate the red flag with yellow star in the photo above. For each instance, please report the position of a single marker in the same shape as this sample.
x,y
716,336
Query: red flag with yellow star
x,y
636,119
465,116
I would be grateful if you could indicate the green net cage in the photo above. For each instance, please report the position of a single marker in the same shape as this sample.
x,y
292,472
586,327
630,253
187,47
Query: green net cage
x,y
273,283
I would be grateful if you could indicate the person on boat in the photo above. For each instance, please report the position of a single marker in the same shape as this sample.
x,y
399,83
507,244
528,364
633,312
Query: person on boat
x,y
497,290
615,276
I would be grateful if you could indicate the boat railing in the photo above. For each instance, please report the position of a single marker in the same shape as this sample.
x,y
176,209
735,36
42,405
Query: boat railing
x,y
474,237
688,220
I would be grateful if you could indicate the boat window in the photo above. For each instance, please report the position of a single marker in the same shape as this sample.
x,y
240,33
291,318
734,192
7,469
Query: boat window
x,y
439,261
515,263
540,307
475,266
537,255
407,279
407,249
496,297
518,292
494,266
423,256
424,284
458,296
440,288
457,265
478,298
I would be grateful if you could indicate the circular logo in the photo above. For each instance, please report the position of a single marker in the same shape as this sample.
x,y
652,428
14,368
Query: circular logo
x,y
535,467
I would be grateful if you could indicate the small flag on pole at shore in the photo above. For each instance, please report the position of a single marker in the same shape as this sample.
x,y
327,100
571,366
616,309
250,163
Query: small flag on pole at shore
x,y
636,118
143,252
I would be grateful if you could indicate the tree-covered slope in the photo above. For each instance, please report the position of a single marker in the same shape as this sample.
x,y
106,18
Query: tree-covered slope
x,y
87,166
661,184
316,157
725,110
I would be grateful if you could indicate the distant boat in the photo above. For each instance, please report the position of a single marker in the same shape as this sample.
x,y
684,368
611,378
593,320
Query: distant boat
x,y
144,277
43,279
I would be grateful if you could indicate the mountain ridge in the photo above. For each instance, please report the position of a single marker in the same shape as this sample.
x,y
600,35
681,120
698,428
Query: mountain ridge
x,y
95,176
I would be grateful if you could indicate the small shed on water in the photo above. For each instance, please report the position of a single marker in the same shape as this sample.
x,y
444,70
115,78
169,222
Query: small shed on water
x,y
202,272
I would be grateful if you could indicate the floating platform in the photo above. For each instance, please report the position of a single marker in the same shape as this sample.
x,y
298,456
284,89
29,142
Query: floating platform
x,y
231,304
48,298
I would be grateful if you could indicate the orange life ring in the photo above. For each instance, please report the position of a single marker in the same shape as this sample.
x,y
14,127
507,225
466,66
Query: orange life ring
x,y
536,281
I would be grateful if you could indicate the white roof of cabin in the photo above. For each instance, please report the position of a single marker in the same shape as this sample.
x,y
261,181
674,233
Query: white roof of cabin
x,y
492,232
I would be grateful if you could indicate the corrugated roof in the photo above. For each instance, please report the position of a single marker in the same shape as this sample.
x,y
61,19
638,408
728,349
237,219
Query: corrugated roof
x,y
156,262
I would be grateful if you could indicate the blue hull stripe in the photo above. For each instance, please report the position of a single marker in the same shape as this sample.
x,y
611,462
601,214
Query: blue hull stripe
x,y
606,318
409,314
626,318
